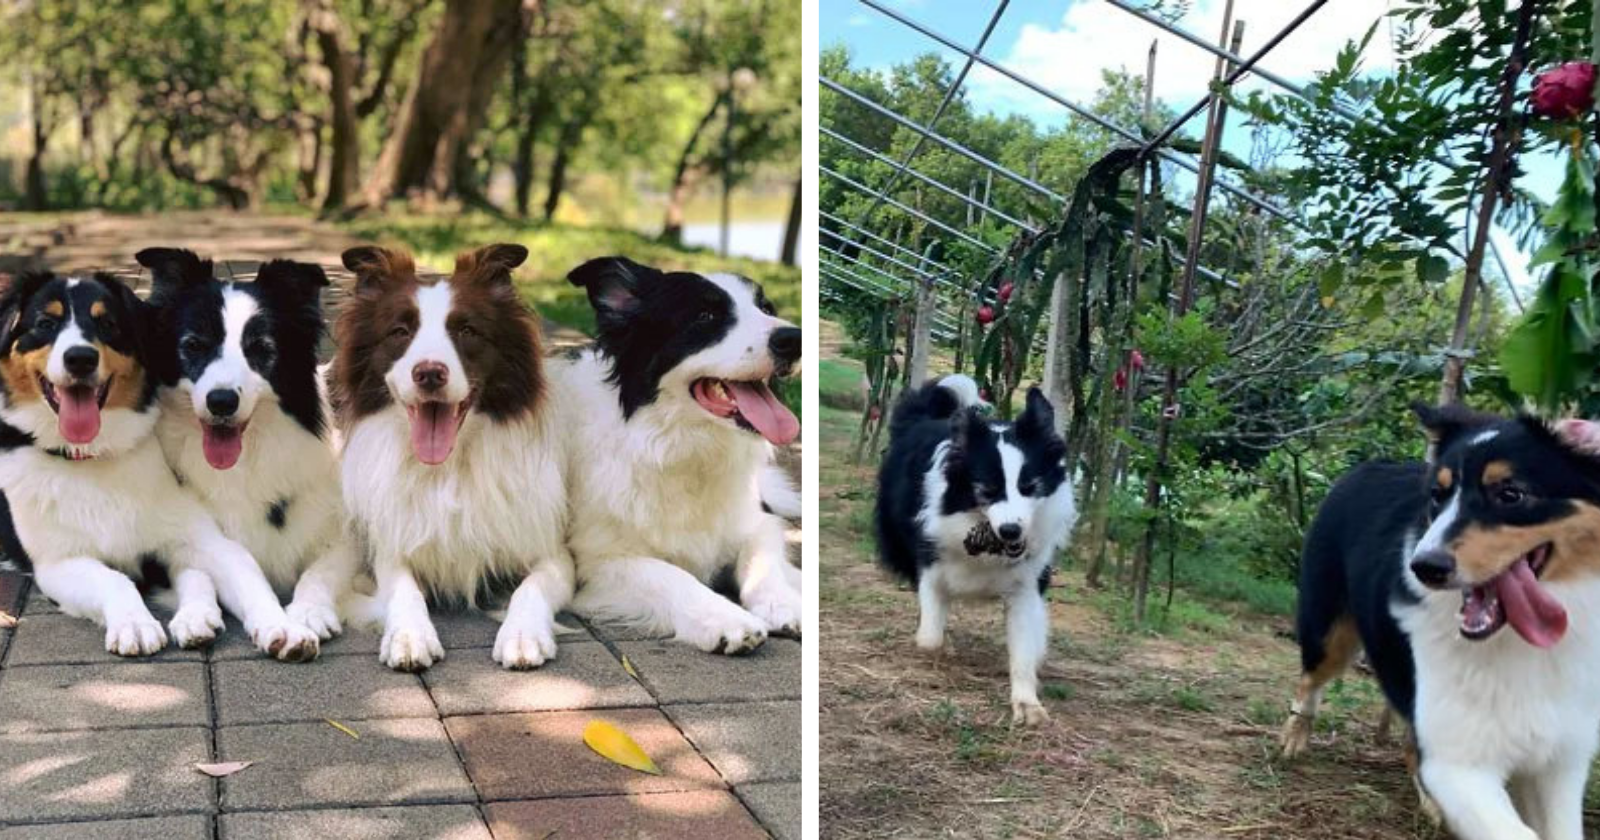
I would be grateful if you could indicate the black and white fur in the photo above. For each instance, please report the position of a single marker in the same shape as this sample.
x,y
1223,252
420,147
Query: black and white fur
x,y
664,471
971,508
89,514
243,364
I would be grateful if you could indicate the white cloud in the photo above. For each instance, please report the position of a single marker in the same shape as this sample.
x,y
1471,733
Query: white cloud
x,y
1092,35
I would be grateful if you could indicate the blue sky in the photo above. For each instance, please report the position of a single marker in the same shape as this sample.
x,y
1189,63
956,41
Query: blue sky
x,y
1064,45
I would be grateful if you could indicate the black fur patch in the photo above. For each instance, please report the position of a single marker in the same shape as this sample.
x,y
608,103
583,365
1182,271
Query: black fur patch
x,y
278,514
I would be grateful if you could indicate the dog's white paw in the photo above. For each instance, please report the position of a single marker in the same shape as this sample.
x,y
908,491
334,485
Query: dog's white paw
x,y
1028,713
729,630
1296,737
195,627
289,642
320,618
135,636
779,610
930,639
521,645
410,647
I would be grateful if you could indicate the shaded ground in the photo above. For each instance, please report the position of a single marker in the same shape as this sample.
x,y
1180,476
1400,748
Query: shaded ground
x,y
1150,736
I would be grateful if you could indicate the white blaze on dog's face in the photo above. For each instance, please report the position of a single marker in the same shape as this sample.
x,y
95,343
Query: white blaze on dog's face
x,y
705,347
1006,471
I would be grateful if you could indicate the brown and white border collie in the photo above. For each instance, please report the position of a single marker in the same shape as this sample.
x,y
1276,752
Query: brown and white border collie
x,y
451,472
90,495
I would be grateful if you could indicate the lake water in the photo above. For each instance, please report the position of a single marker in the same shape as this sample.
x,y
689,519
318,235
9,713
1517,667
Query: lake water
x,y
761,240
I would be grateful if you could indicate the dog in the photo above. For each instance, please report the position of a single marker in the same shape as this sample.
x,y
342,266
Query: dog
x,y
1425,566
670,420
972,508
244,422
451,466
91,498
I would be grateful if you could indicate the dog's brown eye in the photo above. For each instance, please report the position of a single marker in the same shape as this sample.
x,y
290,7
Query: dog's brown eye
x,y
1509,494
466,331
705,318
399,331
45,323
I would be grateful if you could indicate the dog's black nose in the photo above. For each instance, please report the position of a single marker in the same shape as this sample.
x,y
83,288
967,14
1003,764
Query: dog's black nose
x,y
1433,568
785,345
430,376
1010,532
222,402
81,361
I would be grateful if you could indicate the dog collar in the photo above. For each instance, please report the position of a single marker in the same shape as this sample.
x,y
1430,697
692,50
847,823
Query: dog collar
x,y
66,454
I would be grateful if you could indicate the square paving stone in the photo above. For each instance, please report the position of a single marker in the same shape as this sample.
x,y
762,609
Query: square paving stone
x,y
527,756
38,604
626,633
105,773
584,675
59,639
654,816
465,628
5,643
308,764
678,673
746,742
235,644
776,805
418,822
44,698
344,688
13,588
153,828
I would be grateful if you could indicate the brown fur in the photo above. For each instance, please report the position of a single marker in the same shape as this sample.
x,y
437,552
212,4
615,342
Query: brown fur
x,y
97,309
55,309
385,281
127,383
21,372
1339,649
1495,472
1446,478
1484,553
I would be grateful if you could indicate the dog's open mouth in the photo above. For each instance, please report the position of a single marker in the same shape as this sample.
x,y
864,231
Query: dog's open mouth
x,y
222,443
752,405
434,424
77,407
1515,597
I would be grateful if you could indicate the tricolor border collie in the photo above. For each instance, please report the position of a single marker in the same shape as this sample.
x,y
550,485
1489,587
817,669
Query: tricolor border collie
x,y
670,420
244,422
91,498
973,508
1426,566
451,466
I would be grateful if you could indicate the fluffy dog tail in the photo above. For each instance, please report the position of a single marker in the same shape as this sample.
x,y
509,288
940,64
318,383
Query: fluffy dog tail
x,y
777,492
939,399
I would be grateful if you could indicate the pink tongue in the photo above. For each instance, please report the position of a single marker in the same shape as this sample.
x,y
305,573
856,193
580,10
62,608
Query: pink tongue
x,y
762,410
222,445
1537,617
433,432
79,417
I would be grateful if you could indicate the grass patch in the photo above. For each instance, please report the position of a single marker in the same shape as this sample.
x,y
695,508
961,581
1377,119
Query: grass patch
x,y
839,384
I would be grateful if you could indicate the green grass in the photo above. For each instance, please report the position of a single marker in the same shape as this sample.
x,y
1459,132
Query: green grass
x,y
553,250
839,384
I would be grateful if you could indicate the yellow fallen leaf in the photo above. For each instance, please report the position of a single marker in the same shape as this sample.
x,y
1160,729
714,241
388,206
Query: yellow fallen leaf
x,y
342,728
7,620
628,666
613,744
222,768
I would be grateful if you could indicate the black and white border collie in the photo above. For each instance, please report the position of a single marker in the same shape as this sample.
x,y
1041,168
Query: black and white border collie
x,y
244,423
452,471
1425,566
972,508
90,495
670,422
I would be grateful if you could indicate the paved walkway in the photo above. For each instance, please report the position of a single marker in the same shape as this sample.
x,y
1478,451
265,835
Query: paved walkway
x,y
92,745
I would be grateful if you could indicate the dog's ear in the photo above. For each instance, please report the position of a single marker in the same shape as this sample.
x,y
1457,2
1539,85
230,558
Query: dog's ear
x,y
173,270
292,280
1443,422
613,283
377,268
490,265
14,293
1038,419
1579,434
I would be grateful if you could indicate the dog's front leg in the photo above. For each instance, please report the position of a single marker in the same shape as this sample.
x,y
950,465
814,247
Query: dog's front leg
x,y
198,619
767,587
316,594
527,637
933,610
658,596
1555,804
244,591
1027,637
88,588
1474,801
409,641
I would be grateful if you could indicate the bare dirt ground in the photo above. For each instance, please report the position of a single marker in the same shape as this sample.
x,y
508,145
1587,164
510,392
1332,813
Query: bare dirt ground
x,y
1150,736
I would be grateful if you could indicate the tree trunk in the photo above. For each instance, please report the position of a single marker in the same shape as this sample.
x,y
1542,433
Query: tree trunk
x,y
531,94
672,228
457,71
571,131
791,229
37,196
344,172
